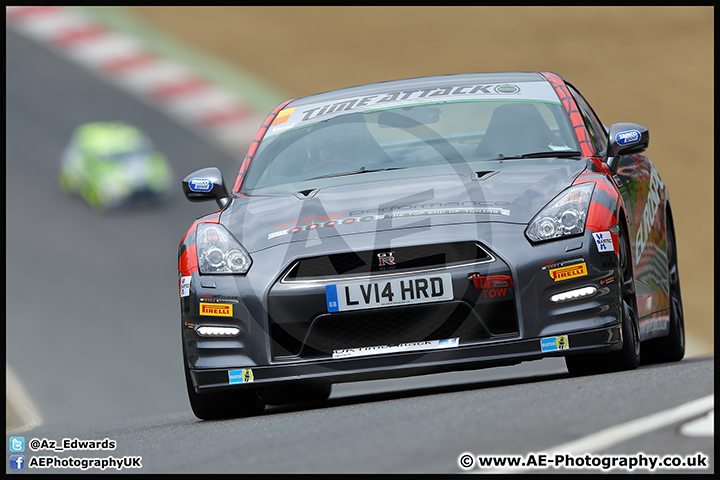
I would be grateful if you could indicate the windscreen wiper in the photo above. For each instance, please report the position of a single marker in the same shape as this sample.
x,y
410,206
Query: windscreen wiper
x,y
361,170
551,154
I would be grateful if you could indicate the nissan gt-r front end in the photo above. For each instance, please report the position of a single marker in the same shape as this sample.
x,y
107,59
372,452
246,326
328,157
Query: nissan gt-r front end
x,y
409,227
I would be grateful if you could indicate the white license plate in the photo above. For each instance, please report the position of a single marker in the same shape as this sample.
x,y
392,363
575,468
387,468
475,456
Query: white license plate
x,y
389,292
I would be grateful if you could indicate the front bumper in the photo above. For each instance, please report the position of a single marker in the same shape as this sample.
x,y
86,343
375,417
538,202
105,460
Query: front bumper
x,y
410,364
274,316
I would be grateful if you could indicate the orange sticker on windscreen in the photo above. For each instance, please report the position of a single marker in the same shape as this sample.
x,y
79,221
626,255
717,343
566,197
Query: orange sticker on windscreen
x,y
283,116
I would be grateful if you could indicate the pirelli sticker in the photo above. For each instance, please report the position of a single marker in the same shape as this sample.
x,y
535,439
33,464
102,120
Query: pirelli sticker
x,y
216,309
568,272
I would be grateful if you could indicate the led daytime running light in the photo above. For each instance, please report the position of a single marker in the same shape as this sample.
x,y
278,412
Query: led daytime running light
x,y
207,331
573,294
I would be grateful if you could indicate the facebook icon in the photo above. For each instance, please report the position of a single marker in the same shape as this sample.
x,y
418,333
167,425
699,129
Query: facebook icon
x,y
17,462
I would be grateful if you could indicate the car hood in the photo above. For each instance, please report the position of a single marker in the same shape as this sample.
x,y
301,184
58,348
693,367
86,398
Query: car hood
x,y
373,202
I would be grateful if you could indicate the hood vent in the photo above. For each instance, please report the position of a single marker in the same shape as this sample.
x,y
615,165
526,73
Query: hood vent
x,y
484,175
304,194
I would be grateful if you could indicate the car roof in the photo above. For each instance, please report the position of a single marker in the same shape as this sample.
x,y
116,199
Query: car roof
x,y
103,138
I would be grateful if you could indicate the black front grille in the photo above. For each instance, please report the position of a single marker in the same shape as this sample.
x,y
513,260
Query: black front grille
x,y
401,258
392,326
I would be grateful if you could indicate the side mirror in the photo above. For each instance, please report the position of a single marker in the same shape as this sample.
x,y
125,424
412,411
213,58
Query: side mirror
x,y
627,139
206,184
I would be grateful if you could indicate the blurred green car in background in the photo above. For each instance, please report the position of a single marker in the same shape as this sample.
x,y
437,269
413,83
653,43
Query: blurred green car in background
x,y
112,165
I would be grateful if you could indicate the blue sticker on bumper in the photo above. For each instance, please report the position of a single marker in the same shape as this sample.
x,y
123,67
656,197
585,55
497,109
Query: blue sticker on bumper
x,y
332,298
550,344
240,376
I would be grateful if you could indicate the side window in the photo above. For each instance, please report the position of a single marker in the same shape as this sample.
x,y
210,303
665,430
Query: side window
x,y
592,123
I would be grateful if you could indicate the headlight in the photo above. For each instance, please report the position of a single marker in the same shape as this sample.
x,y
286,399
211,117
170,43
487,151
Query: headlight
x,y
219,252
563,216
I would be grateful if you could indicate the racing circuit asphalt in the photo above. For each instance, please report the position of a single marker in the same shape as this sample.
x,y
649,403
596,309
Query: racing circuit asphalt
x,y
94,337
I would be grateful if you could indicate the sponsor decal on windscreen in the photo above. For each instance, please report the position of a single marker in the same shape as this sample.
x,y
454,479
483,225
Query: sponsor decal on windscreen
x,y
309,114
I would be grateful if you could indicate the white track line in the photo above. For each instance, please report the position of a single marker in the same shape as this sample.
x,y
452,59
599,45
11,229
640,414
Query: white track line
x,y
20,403
611,436
702,427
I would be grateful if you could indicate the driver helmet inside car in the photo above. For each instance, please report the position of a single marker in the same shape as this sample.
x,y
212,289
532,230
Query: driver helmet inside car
x,y
336,149
347,142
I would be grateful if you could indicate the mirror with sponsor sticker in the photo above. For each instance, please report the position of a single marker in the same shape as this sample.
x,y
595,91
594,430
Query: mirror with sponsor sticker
x,y
627,139
205,184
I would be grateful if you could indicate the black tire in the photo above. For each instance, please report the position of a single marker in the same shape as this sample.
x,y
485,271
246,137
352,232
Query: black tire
x,y
628,357
670,348
235,403
298,392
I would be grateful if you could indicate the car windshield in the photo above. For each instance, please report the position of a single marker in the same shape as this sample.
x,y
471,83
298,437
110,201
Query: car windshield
x,y
125,156
408,137
114,143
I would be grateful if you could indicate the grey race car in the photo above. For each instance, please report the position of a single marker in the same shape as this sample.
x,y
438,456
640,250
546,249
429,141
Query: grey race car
x,y
426,225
